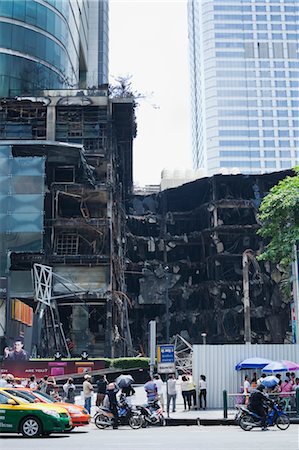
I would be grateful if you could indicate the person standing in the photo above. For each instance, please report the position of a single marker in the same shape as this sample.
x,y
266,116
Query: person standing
x,y
171,392
51,386
87,392
246,389
69,391
101,389
151,390
32,383
112,403
202,392
185,392
159,383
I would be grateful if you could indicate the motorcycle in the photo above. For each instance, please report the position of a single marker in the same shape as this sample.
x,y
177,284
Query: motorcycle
x,y
127,415
152,414
276,416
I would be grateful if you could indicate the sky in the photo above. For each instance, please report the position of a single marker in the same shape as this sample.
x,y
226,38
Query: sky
x,y
149,41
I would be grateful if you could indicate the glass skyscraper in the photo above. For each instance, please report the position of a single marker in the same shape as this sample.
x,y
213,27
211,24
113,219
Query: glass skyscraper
x,y
50,44
245,84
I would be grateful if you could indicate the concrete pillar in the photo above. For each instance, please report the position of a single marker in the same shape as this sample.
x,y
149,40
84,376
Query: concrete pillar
x,y
51,123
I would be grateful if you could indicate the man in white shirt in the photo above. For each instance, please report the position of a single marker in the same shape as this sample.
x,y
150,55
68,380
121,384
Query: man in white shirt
x,y
159,383
171,392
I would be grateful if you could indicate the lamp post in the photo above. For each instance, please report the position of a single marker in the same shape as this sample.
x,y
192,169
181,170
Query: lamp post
x,y
204,338
166,271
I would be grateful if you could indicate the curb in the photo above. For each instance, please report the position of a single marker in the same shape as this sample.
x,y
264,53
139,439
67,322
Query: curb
x,y
210,422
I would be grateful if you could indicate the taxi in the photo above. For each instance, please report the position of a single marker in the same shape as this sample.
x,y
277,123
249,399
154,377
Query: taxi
x,y
79,414
18,415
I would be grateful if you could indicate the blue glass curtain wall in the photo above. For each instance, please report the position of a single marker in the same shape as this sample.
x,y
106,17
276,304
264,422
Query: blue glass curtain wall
x,y
22,183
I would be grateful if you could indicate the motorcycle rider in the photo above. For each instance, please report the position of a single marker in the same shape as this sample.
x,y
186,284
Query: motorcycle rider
x,y
112,402
257,404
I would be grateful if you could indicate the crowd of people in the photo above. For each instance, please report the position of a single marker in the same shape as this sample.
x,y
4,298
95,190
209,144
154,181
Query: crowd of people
x,y
155,388
284,388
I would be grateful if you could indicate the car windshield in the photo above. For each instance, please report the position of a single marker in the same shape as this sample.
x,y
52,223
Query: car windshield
x,y
24,394
19,397
45,397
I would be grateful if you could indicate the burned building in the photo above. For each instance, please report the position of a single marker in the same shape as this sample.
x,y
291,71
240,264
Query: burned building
x,y
185,248
76,147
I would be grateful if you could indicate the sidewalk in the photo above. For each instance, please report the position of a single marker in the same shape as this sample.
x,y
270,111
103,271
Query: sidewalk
x,y
206,417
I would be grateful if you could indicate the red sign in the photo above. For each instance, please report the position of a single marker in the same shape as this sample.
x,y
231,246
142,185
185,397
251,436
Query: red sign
x,y
24,369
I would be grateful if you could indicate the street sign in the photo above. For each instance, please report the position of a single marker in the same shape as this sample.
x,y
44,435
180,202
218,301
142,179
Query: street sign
x,y
166,358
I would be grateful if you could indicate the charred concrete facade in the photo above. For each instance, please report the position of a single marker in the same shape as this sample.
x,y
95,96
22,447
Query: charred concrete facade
x,y
85,139
187,243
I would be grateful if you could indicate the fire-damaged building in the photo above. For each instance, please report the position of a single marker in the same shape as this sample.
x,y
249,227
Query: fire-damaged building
x,y
65,172
185,248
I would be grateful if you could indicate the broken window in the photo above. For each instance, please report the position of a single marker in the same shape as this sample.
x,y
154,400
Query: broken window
x,y
67,244
64,174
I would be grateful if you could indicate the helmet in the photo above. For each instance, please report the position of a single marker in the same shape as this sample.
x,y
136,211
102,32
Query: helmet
x,y
261,387
87,377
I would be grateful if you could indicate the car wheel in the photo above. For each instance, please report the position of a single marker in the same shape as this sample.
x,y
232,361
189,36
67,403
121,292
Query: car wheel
x,y
246,422
283,422
30,427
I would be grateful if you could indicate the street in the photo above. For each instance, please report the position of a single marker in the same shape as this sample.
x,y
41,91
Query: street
x,y
164,438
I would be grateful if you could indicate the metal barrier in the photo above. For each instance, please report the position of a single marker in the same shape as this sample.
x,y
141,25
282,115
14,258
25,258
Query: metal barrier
x,y
231,400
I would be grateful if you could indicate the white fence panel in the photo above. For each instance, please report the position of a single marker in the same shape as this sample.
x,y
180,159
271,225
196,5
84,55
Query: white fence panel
x,y
217,363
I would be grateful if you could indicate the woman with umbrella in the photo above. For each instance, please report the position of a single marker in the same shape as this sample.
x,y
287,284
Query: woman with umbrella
x,y
124,382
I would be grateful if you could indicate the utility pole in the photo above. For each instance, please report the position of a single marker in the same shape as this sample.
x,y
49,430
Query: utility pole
x,y
152,346
246,301
166,270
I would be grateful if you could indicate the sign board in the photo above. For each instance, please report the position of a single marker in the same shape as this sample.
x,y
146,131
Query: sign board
x,y
166,358
166,367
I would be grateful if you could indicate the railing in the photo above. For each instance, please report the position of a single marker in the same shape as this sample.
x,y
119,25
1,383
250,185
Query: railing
x,y
231,400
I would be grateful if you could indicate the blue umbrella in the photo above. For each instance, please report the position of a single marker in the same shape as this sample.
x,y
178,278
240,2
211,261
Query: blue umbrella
x,y
253,363
270,381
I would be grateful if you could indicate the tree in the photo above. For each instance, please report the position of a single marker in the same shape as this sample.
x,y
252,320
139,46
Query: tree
x,y
279,214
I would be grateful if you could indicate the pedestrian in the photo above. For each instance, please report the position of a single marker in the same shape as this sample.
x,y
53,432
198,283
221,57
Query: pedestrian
x,y
51,385
151,390
69,390
10,380
3,382
87,392
171,392
32,383
259,381
128,391
101,389
160,384
202,392
43,384
253,383
246,389
112,403
186,392
192,391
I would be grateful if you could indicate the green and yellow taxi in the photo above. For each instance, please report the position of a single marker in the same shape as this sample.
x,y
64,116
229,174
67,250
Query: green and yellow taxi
x,y
18,415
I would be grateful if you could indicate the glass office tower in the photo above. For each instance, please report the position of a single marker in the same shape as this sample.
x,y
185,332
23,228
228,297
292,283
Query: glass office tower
x,y
44,44
244,58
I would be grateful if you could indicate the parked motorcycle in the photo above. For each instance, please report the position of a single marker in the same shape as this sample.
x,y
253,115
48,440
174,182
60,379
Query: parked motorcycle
x,y
152,414
127,416
276,416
